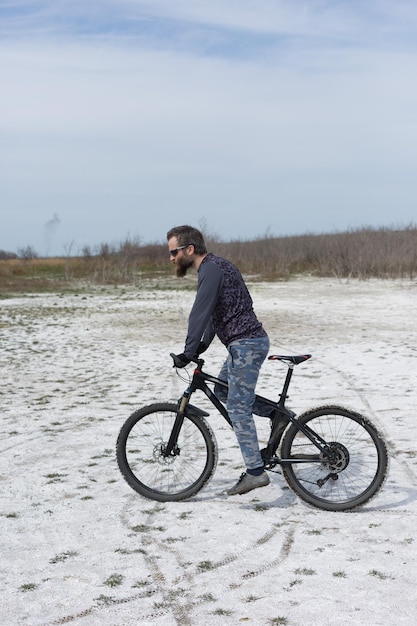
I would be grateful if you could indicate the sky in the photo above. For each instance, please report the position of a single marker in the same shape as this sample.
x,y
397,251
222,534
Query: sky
x,y
124,118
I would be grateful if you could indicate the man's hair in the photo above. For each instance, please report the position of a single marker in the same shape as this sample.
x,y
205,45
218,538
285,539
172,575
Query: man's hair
x,y
187,235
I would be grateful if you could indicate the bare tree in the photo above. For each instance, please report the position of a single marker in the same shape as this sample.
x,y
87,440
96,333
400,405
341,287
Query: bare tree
x,y
27,253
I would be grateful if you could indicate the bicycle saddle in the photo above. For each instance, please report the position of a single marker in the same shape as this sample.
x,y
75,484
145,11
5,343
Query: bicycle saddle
x,y
295,360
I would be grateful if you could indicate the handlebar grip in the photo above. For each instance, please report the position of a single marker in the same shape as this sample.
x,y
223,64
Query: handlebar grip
x,y
196,359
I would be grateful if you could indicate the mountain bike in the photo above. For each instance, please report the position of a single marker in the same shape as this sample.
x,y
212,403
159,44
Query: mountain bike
x,y
331,457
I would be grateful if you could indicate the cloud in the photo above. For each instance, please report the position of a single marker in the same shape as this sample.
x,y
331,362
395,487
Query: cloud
x,y
164,97
200,25
224,105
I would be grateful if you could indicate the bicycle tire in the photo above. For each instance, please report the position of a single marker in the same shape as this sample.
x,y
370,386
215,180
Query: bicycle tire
x,y
166,479
357,471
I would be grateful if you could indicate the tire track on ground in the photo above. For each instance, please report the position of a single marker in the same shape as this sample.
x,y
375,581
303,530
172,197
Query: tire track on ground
x,y
182,604
391,447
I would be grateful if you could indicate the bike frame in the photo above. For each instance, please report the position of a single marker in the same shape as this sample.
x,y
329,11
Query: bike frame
x,y
199,383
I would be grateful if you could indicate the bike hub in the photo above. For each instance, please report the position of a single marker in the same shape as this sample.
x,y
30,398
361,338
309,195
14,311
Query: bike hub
x,y
336,457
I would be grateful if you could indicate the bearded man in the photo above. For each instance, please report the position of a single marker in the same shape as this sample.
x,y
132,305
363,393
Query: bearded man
x,y
224,307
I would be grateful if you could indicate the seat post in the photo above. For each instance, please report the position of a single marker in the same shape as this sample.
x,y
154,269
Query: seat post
x,y
284,393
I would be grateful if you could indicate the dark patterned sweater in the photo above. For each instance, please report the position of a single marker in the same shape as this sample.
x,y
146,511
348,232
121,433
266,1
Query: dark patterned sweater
x,y
223,307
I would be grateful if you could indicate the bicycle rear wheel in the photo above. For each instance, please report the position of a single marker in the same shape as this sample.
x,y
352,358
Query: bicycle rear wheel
x,y
140,446
352,472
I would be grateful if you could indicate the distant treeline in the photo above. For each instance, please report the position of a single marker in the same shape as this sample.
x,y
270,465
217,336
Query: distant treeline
x,y
360,253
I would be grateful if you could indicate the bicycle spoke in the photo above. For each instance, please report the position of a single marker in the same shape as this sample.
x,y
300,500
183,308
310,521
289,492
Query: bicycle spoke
x,y
153,473
352,470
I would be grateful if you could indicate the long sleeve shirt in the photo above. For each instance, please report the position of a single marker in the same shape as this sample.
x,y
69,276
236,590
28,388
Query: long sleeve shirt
x,y
223,307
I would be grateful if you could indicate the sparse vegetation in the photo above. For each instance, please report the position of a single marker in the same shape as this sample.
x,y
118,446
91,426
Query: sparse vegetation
x,y
144,528
360,253
55,477
378,574
60,558
114,580
204,566
28,587
208,597
125,551
104,600
226,612
251,598
305,571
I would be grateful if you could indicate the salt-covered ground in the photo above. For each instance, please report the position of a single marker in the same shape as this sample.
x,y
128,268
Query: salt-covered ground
x,y
78,546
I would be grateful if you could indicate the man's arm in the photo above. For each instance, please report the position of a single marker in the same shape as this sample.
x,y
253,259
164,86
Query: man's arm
x,y
210,281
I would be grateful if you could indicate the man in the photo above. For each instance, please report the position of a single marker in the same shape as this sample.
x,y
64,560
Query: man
x,y
223,307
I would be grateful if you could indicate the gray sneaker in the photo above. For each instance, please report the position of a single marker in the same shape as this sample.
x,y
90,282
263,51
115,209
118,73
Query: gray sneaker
x,y
247,482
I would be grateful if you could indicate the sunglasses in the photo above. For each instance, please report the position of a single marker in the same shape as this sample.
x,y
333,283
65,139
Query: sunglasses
x,y
175,251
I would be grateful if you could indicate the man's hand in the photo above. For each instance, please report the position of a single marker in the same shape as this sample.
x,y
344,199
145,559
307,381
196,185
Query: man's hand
x,y
180,360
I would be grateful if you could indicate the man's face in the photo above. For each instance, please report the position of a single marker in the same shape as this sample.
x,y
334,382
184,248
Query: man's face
x,y
179,257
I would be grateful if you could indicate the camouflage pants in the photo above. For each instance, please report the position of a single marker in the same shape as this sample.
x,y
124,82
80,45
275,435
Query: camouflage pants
x,y
241,370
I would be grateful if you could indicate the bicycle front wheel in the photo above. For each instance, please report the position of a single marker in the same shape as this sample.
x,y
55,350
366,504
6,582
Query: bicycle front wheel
x,y
140,454
352,470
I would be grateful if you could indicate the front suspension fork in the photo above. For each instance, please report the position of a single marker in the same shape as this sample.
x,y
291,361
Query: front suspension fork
x,y
171,448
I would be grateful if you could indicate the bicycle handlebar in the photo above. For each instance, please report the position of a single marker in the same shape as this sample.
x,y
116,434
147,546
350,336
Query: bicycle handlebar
x,y
199,362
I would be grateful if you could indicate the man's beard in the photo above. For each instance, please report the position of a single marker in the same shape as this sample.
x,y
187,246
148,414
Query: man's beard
x,y
182,266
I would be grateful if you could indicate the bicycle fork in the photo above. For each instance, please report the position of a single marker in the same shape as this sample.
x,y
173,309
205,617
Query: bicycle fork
x,y
171,448
185,408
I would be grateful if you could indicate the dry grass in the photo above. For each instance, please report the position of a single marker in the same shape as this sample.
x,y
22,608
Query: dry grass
x,y
363,253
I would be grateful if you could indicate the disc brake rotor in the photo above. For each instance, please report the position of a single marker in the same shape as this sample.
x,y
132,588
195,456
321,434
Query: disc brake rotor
x,y
159,456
